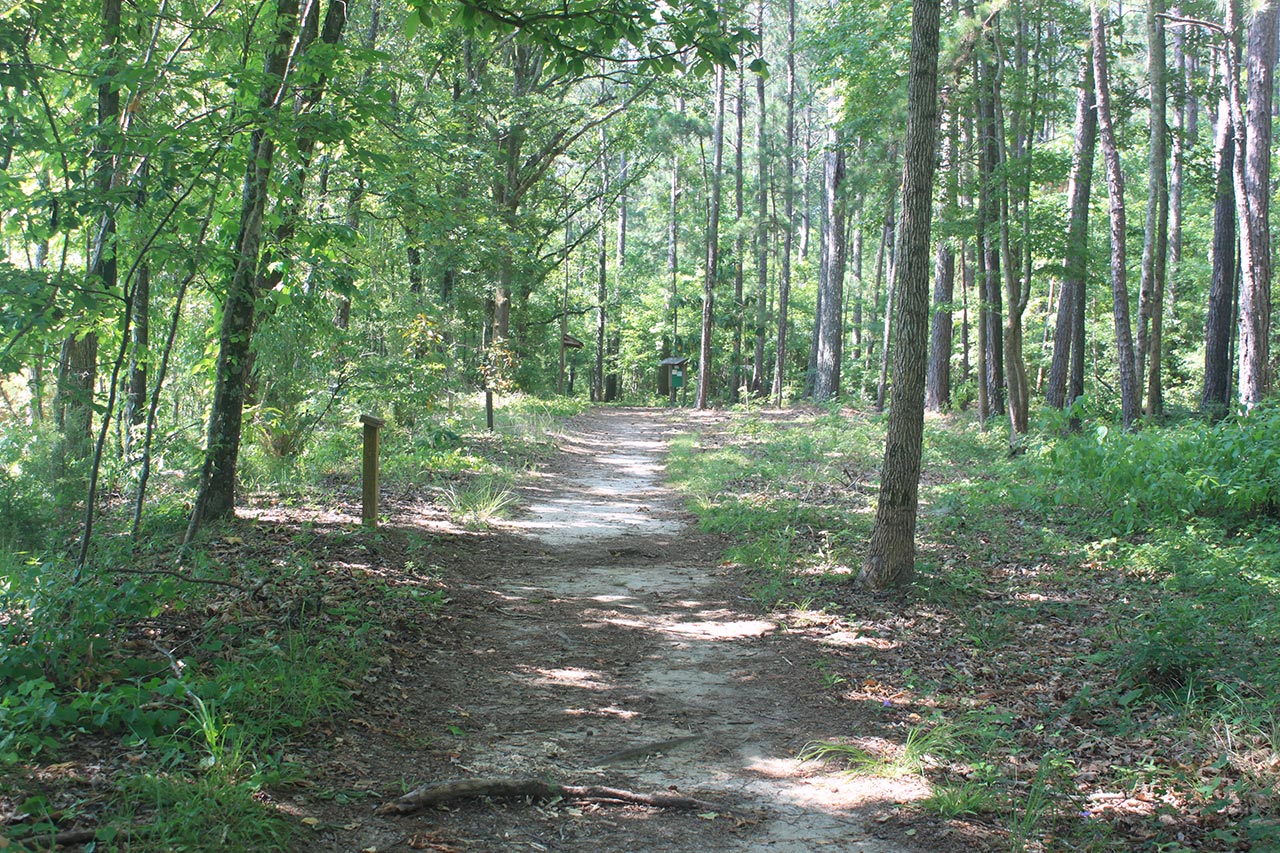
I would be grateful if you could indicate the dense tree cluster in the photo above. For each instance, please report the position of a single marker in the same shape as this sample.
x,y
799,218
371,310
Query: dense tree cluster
x,y
233,214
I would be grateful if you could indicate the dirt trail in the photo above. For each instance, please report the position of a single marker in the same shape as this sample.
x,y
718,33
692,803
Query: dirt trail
x,y
599,641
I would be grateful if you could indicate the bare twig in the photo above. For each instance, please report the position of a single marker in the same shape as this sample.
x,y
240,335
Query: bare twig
x,y
181,576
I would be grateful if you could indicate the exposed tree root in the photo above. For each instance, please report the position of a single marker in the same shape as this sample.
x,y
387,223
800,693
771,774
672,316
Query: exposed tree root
x,y
536,789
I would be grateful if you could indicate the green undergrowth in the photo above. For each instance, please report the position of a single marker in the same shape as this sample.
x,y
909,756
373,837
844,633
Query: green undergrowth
x,y
450,443
162,701
1092,623
160,711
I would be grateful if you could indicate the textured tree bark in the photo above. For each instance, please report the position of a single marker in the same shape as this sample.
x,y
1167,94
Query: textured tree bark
x,y
758,379
1179,142
739,243
937,386
1252,176
78,365
966,287
990,308
1115,192
858,286
216,496
612,386
602,274
673,255
890,556
788,196
890,290
1155,244
1079,189
830,343
712,269
1215,394
1016,289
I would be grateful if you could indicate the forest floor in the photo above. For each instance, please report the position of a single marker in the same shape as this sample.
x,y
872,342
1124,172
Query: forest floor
x,y
598,639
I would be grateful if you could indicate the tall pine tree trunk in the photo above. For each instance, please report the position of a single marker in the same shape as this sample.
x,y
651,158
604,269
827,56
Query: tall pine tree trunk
x,y
1079,187
890,291
602,273
990,308
1215,394
739,242
1178,149
758,377
1115,192
788,196
1252,177
830,341
1155,245
937,388
612,387
890,556
713,245
673,255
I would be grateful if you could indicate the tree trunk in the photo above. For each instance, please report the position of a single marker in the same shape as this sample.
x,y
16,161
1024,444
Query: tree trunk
x,y
1215,396
1016,289
673,255
612,388
937,392
890,556
1155,244
886,349
216,497
713,246
830,342
135,403
342,317
990,309
858,286
762,225
788,195
78,366
878,287
1115,193
1180,142
966,286
602,274
1252,177
739,242
806,174
1079,188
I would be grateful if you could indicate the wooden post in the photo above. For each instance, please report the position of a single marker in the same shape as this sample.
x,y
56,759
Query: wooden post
x,y
488,408
369,509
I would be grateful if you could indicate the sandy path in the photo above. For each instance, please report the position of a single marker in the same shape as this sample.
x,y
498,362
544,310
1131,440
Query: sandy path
x,y
607,646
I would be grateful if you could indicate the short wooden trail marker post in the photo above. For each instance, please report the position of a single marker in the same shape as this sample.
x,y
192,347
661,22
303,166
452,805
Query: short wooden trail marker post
x,y
369,504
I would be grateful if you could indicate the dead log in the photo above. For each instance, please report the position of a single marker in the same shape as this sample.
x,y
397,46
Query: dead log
x,y
501,788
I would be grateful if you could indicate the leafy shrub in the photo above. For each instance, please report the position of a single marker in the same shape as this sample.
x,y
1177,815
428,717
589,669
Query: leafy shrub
x,y
1230,470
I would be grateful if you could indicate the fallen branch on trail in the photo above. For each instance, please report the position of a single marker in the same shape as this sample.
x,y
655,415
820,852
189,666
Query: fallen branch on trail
x,y
535,789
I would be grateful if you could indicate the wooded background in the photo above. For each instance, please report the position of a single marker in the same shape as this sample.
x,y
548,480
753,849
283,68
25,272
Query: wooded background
x,y
231,223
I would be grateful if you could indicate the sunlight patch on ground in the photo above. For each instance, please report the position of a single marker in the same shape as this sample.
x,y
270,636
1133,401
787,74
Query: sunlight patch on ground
x,y
853,639
739,629
607,711
587,679
791,781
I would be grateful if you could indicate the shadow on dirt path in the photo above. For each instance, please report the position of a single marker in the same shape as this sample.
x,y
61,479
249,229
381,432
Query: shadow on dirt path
x,y
598,640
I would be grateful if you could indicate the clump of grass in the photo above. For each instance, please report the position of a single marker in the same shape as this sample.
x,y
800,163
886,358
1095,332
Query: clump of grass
x,y
479,504
920,749
965,799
